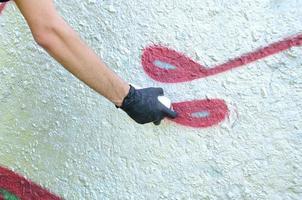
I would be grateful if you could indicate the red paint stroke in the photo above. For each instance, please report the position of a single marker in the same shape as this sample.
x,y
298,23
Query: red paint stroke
x,y
22,188
169,66
2,6
187,69
216,110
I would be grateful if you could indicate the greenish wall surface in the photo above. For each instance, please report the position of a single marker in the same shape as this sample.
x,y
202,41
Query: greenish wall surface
x,y
62,135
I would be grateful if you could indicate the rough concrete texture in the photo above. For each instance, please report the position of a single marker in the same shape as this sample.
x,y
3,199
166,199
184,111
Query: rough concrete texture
x,y
62,135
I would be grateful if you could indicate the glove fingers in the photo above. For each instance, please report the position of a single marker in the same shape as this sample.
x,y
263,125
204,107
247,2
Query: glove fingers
x,y
169,112
157,122
160,91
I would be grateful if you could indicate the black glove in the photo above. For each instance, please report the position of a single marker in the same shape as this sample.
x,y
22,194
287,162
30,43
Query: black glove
x,y
143,106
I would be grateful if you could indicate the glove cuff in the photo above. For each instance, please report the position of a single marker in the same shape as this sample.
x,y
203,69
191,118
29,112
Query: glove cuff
x,y
129,96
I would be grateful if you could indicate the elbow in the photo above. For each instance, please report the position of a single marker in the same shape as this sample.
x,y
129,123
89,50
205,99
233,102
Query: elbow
x,y
44,35
42,38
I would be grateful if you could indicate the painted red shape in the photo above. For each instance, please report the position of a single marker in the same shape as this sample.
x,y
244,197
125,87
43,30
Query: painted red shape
x,y
187,69
23,188
216,110
2,6
169,66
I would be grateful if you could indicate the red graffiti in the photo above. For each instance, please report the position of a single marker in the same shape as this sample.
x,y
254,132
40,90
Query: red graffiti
x,y
22,188
166,65
186,69
200,113
2,6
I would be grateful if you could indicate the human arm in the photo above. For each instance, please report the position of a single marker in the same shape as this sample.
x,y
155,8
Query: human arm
x,y
53,34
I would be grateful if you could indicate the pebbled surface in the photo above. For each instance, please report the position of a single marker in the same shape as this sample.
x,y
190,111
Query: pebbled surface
x,y
62,135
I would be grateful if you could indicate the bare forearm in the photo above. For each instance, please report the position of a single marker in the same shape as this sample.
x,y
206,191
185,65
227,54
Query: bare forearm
x,y
68,49
60,41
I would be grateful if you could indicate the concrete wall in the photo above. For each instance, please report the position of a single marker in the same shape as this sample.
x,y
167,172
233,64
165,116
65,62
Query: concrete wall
x,y
62,135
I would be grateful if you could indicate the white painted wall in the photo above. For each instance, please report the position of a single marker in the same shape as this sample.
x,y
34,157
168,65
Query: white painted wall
x,y
59,133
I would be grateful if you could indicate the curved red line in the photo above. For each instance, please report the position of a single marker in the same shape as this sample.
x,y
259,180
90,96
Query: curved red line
x,y
22,188
187,69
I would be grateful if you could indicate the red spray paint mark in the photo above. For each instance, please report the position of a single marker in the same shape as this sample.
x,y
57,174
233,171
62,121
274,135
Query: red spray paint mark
x,y
200,113
2,6
186,69
22,188
166,65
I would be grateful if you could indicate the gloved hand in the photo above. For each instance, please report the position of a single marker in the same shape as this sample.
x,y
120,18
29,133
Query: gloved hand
x,y
143,106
